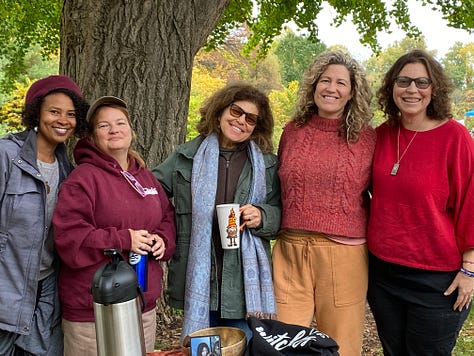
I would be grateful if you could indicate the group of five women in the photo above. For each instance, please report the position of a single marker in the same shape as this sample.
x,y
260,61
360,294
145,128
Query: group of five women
x,y
412,256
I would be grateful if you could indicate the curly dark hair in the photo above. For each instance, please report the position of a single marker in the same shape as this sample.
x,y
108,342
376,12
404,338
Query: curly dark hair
x,y
440,106
357,112
31,111
215,105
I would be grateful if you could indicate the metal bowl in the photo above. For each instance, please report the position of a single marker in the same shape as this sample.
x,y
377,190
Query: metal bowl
x,y
233,340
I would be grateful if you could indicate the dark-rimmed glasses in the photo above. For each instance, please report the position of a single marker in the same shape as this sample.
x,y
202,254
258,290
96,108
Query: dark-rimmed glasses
x,y
420,82
236,111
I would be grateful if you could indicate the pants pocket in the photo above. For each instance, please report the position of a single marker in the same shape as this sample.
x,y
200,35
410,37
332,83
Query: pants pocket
x,y
350,274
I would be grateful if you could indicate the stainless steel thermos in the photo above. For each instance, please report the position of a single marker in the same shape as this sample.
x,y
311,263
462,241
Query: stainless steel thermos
x,y
118,318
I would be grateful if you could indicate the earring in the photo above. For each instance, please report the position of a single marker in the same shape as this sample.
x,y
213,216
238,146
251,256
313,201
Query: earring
x,y
35,129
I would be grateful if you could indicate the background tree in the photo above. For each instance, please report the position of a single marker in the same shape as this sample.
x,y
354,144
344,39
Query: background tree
x,y
377,66
202,86
10,113
459,63
24,24
143,50
283,105
295,53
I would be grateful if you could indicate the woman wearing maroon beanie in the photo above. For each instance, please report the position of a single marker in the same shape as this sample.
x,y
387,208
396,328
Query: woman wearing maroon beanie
x,y
32,165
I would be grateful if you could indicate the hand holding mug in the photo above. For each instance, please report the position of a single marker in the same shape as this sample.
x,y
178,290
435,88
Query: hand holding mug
x,y
251,216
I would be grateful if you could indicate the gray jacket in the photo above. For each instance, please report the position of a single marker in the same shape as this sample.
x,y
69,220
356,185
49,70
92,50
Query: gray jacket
x,y
22,227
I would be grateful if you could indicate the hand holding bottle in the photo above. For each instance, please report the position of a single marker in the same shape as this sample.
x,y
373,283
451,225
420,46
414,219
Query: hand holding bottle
x,y
141,241
158,249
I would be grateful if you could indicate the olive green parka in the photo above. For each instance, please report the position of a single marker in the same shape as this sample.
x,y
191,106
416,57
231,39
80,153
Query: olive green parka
x,y
175,176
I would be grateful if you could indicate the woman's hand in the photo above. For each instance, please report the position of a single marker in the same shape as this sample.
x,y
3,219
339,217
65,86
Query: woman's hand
x,y
465,286
250,216
158,249
142,241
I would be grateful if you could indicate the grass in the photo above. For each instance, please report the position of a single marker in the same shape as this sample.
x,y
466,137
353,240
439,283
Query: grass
x,y
465,343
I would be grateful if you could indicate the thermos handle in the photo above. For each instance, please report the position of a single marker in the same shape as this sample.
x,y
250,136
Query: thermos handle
x,y
116,255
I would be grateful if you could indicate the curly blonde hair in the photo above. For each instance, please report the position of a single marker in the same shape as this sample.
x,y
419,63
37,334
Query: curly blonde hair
x,y
357,112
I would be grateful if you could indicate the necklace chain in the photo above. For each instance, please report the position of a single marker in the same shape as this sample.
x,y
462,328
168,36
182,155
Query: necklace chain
x,y
396,165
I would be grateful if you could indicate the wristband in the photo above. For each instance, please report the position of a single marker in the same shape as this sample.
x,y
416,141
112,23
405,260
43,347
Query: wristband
x,y
466,272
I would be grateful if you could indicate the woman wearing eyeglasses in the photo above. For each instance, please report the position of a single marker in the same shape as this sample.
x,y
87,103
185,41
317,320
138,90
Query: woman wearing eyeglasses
x,y
421,231
231,161
320,259
109,201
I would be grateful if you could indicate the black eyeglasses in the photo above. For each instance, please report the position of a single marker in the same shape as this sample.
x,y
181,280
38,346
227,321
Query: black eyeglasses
x,y
420,82
236,111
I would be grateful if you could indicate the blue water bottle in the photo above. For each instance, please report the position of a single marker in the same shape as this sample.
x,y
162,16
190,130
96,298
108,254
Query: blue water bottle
x,y
140,264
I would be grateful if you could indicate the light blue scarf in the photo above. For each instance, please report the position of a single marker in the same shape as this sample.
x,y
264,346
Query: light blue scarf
x,y
259,296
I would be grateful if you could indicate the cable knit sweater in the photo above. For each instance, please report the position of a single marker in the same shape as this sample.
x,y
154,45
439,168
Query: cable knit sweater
x,y
324,179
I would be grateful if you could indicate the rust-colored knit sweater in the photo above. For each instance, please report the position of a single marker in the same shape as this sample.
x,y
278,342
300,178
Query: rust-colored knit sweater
x,y
324,179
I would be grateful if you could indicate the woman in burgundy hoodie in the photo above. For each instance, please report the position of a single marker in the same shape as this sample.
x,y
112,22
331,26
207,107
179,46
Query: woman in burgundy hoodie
x,y
110,200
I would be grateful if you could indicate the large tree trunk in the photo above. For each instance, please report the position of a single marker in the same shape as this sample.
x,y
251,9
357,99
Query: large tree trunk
x,y
141,51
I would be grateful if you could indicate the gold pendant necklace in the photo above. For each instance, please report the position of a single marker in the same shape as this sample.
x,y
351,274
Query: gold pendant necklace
x,y
396,165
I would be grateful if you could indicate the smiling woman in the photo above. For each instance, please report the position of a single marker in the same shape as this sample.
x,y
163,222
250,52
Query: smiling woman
x,y
422,178
33,164
113,133
325,155
109,201
231,161
237,125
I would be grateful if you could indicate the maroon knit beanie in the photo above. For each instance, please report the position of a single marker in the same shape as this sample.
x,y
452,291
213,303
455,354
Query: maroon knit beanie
x,y
46,85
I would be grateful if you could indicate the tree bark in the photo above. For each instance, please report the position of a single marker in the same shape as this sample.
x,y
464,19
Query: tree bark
x,y
141,51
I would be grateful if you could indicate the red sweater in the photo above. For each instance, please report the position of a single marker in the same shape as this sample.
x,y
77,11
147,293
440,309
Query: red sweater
x,y
423,217
96,207
324,179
